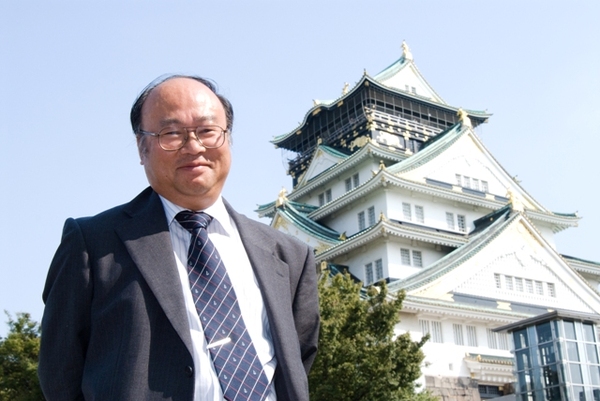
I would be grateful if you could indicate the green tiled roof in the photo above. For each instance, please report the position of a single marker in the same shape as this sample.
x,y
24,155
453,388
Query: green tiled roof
x,y
297,214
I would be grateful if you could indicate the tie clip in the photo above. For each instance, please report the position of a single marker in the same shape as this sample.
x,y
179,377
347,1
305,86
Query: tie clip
x,y
219,343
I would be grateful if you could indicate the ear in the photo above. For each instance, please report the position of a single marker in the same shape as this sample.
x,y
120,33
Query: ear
x,y
141,145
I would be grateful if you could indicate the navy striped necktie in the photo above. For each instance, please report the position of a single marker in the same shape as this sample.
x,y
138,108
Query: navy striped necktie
x,y
237,365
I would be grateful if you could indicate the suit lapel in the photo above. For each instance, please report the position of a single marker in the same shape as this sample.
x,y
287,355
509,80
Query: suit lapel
x,y
147,239
273,277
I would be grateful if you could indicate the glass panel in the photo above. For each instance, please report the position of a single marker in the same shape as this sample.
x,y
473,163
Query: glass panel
x,y
525,383
595,375
588,333
592,355
570,330
522,359
596,393
575,373
578,393
544,332
572,353
550,375
520,338
553,394
547,354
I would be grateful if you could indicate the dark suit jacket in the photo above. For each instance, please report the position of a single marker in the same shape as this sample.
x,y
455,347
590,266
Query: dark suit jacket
x,y
115,324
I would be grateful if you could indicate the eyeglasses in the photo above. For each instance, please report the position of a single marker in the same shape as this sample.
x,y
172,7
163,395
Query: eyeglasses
x,y
174,138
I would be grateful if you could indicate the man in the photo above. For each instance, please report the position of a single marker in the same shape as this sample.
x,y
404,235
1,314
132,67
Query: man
x,y
121,322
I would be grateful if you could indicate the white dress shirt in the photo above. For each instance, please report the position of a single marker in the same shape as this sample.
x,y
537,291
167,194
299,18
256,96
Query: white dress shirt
x,y
225,236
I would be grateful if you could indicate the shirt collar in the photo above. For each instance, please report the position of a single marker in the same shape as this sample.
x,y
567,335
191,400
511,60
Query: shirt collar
x,y
217,211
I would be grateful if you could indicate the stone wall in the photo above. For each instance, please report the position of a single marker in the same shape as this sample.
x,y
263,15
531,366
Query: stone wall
x,y
452,388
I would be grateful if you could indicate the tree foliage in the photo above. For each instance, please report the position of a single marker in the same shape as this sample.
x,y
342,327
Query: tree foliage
x,y
19,359
360,357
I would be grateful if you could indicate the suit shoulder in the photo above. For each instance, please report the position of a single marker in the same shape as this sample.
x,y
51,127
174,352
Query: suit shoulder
x,y
111,217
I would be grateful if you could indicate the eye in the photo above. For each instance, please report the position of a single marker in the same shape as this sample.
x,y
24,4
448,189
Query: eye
x,y
170,132
208,131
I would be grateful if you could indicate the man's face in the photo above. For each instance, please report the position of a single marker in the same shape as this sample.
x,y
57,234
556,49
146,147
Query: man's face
x,y
193,176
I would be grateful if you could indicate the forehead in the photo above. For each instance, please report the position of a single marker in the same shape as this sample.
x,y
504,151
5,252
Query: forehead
x,y
180,98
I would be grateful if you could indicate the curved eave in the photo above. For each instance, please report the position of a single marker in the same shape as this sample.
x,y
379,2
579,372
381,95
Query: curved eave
x,y
384,178
559,222
279,141
583,266
434,307
309,227
385,229
266,210
370,150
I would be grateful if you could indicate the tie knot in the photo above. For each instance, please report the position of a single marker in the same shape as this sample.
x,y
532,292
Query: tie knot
x,y
193,221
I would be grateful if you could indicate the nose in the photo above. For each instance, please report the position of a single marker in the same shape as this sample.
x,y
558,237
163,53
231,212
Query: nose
x,y
193,144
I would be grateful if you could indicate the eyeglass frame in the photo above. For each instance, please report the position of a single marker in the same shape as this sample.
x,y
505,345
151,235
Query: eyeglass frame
x,y
157,135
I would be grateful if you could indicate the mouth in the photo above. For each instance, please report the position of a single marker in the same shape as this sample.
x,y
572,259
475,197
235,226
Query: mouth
x,y
194,166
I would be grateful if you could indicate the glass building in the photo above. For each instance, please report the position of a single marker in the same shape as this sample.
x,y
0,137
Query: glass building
x,y
556,357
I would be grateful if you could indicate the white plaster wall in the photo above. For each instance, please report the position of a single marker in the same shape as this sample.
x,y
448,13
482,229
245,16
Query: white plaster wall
x,y
346,219
447,358
434,210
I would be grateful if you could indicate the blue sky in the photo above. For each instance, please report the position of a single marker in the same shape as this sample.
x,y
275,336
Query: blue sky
x,y
69,72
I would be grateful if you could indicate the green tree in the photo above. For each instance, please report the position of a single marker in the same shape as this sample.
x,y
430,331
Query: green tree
x,y
19,359
360,357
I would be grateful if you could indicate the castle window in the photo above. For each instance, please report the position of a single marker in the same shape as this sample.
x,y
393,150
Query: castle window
x,y
529,286
368,273
436,332
551,290
519,284
539,288
371,215
406,211
450,220
484,186
491,337
467,182
476,184
509,283
419,214
417,258
458,180
497,280
321,199
458,334
351,182
328,195
378,269
434,329
405,256
361,221
462,223
472,336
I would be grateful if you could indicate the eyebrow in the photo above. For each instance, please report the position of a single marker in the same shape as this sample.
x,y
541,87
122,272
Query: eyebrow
x,y
201,120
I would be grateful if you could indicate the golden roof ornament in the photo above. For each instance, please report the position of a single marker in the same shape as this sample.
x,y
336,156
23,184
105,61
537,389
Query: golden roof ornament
x,y
281,198
345,89
515,202
463,117
406,51
381,165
